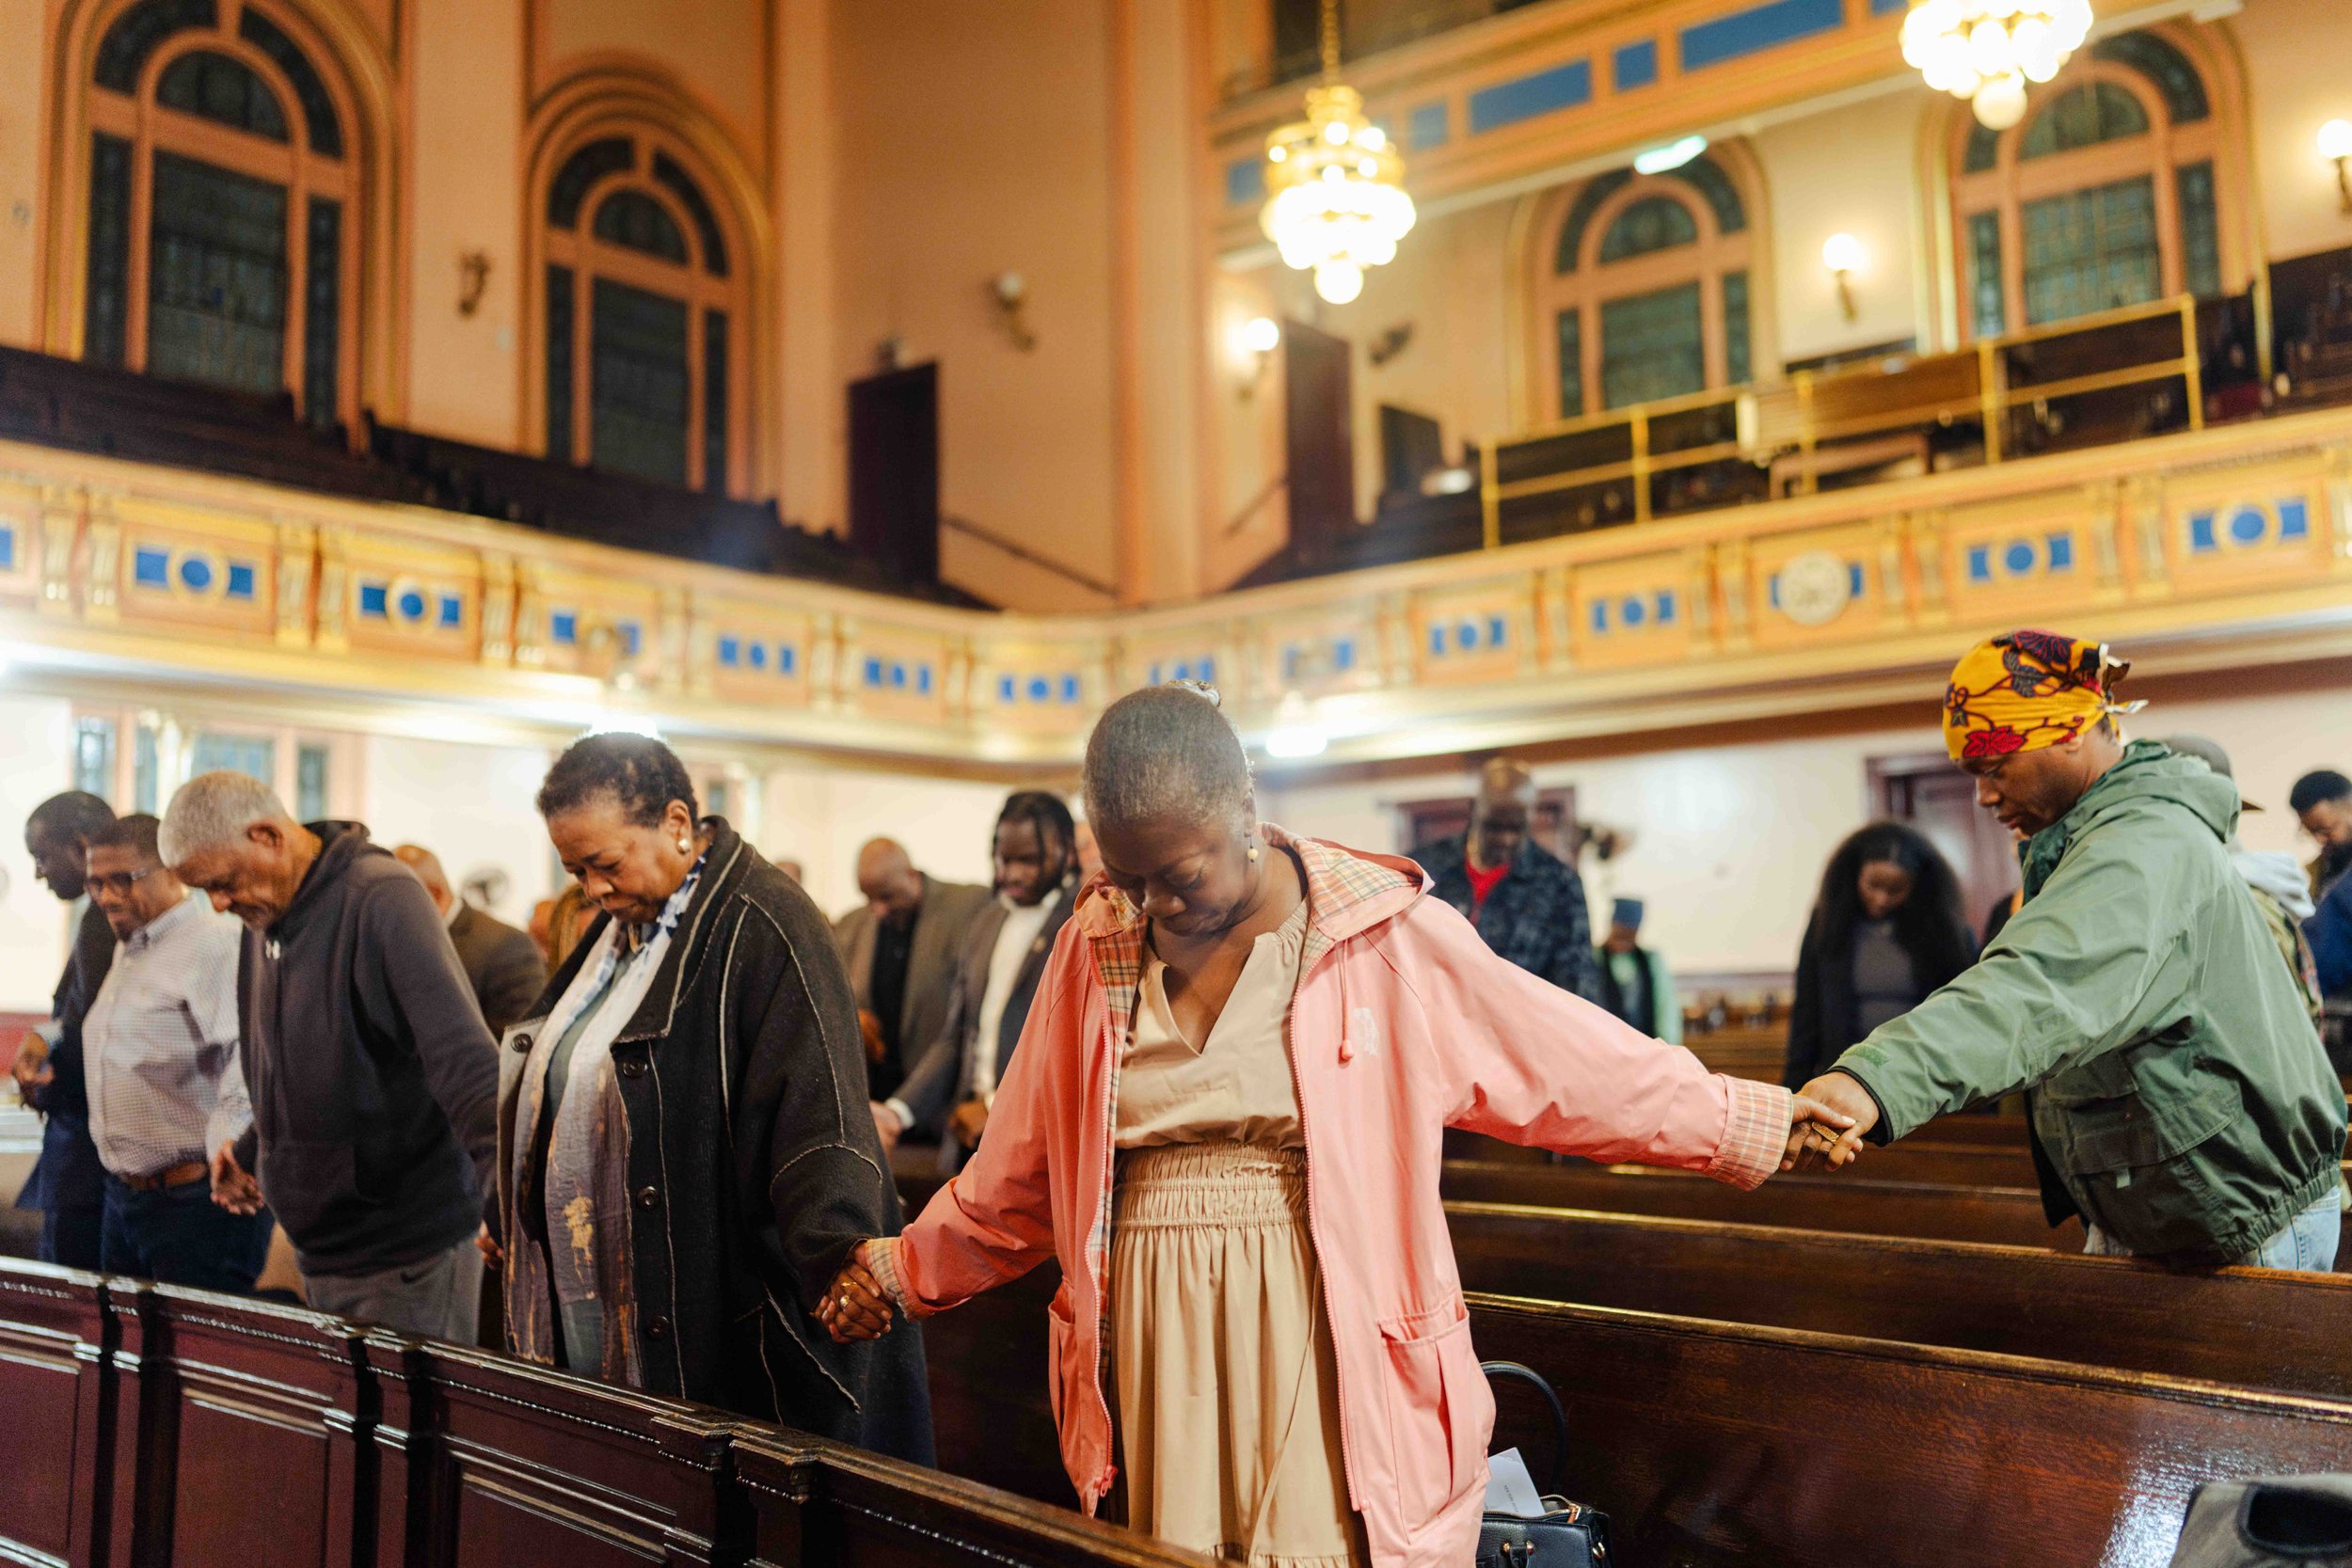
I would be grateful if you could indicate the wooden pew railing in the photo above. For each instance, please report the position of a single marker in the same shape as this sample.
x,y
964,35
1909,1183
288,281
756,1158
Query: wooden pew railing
x,y
142,1427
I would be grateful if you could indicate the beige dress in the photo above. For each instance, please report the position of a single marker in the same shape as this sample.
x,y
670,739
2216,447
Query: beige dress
x,y
1229,1417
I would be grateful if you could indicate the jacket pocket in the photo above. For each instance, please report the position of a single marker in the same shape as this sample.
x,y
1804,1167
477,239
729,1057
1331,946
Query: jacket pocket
x,y
303,1180
1440,1411
2131,1161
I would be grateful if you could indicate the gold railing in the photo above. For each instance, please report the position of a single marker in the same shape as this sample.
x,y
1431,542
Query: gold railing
x,y
1813,410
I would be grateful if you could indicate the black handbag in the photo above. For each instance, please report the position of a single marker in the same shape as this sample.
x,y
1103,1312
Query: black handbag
x,y
2275,1521
1568,1535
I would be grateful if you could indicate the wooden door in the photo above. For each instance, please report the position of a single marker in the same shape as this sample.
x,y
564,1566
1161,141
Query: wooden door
x,y
1319,442
1940,800
893,471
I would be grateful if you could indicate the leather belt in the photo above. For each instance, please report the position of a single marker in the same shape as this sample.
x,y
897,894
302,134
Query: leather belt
x,y
173,1176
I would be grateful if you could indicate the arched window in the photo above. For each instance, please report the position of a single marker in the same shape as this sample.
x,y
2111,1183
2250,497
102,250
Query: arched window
x,y
643,311
2112,192
1642,289
221,204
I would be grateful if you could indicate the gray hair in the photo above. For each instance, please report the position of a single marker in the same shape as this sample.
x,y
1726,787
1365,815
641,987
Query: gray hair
x,y
1165,751
212,810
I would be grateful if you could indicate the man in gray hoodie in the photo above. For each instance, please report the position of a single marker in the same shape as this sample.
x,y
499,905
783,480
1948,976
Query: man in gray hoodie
x,y
371,1078
2281,887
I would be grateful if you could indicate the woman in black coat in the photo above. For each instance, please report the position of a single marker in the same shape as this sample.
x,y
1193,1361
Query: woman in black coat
x,y
686,1157
1886,931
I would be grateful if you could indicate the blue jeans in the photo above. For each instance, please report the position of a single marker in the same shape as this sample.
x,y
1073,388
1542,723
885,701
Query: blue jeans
x,y
70,1236
180,1236
2308,1244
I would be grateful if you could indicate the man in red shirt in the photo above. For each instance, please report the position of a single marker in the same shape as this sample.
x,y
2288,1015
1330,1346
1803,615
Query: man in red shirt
x,y
1526,901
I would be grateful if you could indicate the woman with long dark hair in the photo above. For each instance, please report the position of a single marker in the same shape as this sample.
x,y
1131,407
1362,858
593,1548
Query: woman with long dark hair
x,y
1886,931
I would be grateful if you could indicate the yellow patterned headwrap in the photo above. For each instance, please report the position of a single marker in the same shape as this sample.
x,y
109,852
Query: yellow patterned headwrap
x,y
2028,690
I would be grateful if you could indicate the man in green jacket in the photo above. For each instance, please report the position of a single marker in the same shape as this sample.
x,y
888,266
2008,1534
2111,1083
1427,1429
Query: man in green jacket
x,y
2181,1105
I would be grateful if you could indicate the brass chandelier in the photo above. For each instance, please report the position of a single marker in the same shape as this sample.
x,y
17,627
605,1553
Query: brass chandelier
x,y
1986,51
1335,184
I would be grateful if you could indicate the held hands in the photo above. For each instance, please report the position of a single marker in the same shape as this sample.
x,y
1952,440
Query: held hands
x,y
855,1305
886,1126
968,1121
1832,1112
31,1068
233,1189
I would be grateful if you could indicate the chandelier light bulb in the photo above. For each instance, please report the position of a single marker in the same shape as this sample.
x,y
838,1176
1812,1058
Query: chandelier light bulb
x,y
1336,201
1339,281
1986,51
2001,104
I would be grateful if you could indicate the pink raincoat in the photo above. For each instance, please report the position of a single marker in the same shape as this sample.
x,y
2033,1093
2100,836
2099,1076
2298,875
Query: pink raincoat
x,y
1404,1024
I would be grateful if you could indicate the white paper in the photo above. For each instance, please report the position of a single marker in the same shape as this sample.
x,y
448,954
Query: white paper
x,y
1510,1489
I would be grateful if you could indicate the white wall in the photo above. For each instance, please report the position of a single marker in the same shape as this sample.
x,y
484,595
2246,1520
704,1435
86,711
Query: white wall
x,y
1728,842
1852,171
2295,52
468,804
34,932
820,815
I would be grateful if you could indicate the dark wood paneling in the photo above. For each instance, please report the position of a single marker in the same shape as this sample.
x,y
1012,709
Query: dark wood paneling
x,y
52,1350
1712,1444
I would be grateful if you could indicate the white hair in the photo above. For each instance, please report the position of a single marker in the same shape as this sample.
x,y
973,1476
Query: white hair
x,y
212,810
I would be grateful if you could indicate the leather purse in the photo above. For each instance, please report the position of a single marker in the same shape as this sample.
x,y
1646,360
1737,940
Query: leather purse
x,y
1567,1535
2274,1522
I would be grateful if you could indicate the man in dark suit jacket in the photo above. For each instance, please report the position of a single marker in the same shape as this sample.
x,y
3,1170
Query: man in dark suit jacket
x,y
67,1183
901,946
996,977
1527,902
501,963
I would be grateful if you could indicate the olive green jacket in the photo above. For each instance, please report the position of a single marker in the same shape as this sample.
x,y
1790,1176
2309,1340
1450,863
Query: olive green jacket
x,y
2180,1092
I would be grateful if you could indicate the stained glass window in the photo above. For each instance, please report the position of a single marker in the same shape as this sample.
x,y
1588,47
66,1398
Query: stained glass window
x,y
107,297
1990,307
639,411
583,169
680,184
223,91
1736,368
1652,346
310,783
318,107
1652,224
2092,250
2184,91
634,219
2200,231
2084,116
560,329
134,35
217,277
146,772
715,402
323,291
1571,363
254,755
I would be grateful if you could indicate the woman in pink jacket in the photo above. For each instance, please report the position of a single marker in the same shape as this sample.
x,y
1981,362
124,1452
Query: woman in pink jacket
x,y
1224,1120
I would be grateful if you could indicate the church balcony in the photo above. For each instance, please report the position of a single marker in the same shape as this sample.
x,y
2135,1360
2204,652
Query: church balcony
x,y
2201,549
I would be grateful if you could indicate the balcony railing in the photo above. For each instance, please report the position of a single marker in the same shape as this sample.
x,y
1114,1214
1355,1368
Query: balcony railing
x,y
2118,375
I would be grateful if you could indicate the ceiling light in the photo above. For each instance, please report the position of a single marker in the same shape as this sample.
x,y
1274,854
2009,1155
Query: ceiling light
x,y
1658,159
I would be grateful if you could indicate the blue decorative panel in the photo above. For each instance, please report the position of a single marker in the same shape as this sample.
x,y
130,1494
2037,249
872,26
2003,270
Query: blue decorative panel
x,y
1069,689
873,671
787,659
563,627
633,637
1979,564
1757,27
1563,86
1427,126
150,568
1466,635
196,573
2061,551
1437,640
7,548
1245,181
1040,689
375,602
410,604
1635,65
2295,521
453,611
759,656
1880,7
897,676
731,652
1007,690
1497,631
1854,579
1632,612
1667,607
241,580
2249,524
1600,615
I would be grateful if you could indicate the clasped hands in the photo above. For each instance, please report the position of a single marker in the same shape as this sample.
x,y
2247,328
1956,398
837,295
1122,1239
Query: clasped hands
x,y
1827,1123
855,1305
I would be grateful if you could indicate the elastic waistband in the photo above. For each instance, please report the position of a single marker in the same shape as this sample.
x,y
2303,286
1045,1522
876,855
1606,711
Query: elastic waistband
x,y
1212,1184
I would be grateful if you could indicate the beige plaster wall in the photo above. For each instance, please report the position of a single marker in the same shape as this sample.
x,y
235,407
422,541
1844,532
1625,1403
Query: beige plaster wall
x,y
972,140
717,48
464,158
2296,52
24,116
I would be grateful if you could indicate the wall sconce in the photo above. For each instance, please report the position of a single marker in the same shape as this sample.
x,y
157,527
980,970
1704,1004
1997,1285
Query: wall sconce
x,y
1010,291
1842,254
1256,339
473,275
2335,144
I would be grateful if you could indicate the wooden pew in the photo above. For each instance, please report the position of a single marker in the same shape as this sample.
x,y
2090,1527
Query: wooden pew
x,y
1717,1443
2008,1216
2256,1327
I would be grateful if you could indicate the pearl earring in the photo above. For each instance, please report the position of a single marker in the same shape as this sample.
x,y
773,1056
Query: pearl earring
x,y
684,845
1253,854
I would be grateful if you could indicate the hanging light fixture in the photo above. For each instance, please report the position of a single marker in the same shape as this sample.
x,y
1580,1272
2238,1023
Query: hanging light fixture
x,y
1986,51
1336,197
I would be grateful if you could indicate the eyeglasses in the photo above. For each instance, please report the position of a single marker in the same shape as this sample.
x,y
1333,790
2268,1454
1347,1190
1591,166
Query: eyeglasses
x,y
120,881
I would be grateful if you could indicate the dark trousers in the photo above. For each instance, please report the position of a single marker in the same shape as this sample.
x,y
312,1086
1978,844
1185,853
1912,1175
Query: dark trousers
x,y
180,1236
70,1235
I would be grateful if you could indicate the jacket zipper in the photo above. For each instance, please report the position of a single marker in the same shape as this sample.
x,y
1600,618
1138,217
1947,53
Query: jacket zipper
x,y
1315,1245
